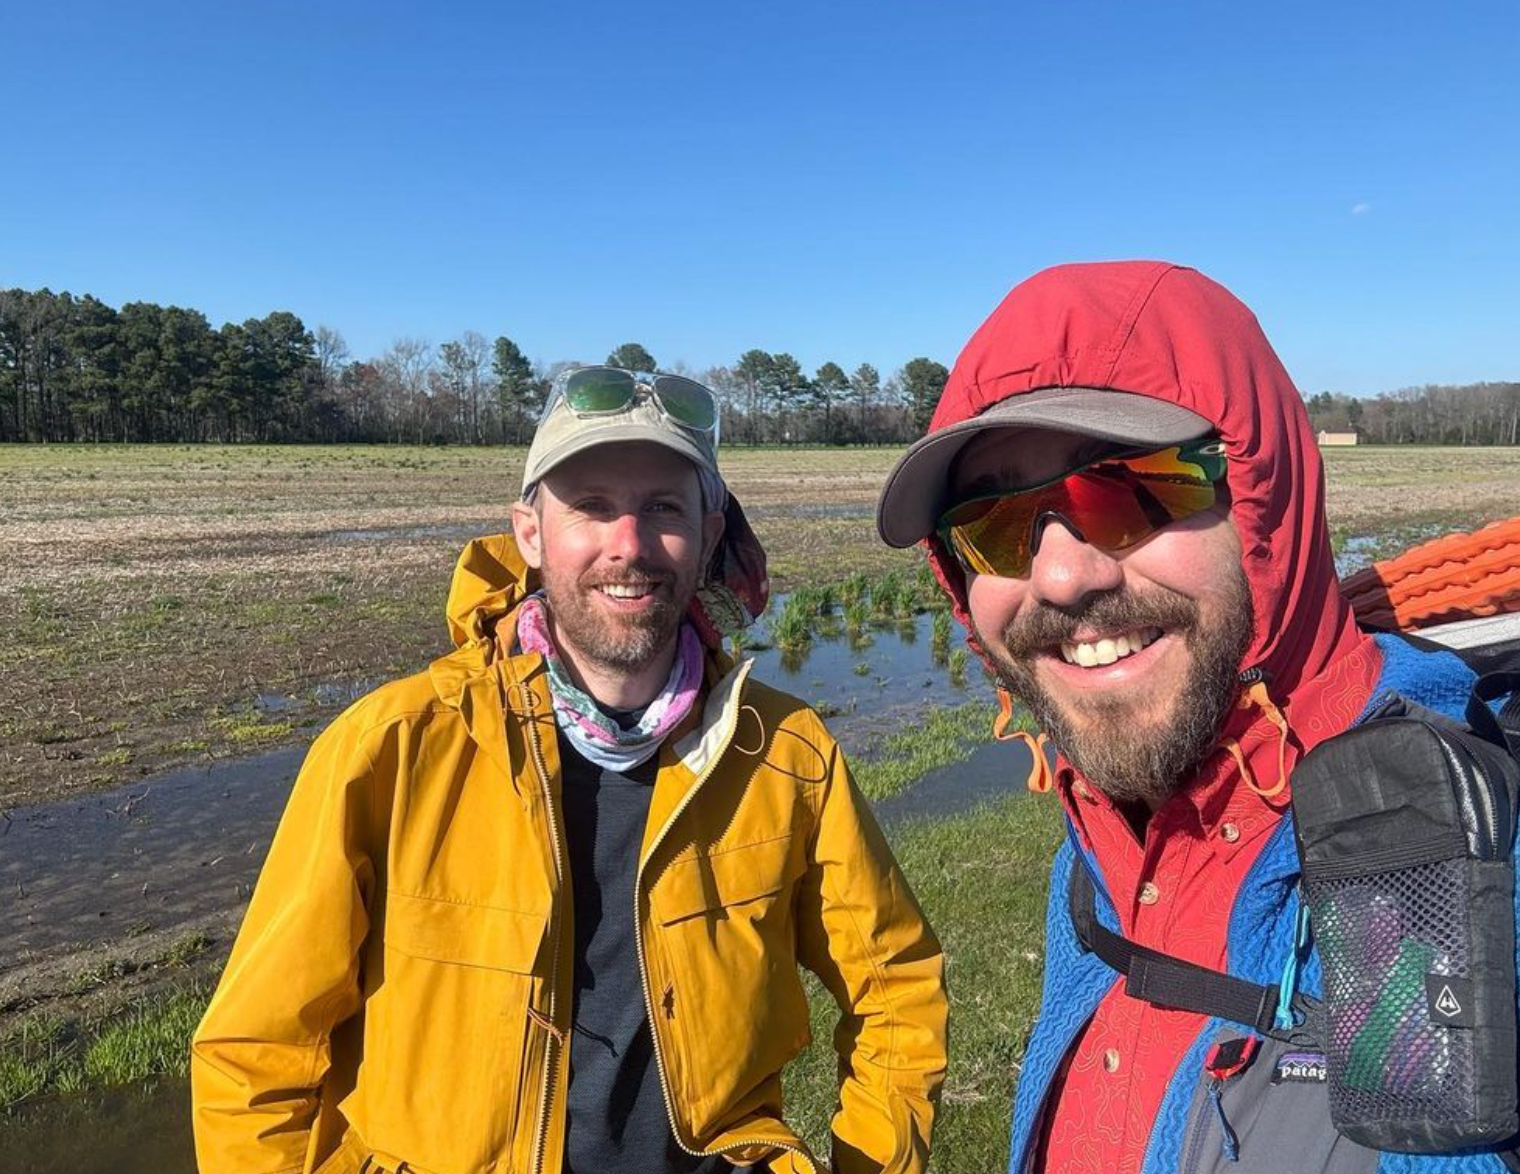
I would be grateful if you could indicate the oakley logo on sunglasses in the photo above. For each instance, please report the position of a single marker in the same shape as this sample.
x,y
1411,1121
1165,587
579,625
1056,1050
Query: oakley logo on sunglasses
x,y
1112,503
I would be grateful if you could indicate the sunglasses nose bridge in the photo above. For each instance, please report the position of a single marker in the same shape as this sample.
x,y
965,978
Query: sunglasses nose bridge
x,y
1042,520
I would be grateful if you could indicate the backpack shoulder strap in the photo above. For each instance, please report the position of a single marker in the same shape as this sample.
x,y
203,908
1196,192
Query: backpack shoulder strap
x,y
1161,979
1502,727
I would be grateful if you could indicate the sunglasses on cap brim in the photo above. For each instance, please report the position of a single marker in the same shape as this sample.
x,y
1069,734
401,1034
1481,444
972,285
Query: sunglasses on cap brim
x,y
606,391
1112,503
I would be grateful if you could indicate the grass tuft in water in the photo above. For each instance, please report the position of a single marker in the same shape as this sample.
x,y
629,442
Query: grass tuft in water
x,y
793,629
854,590
939,637
886,596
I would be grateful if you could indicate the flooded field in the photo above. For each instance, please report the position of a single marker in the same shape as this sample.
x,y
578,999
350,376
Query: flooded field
x,y
150,595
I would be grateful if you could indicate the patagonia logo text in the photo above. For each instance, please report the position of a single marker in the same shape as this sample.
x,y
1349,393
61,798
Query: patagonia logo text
x,y
1300,1068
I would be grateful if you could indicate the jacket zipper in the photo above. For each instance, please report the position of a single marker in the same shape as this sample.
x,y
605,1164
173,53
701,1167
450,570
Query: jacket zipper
x,y
1229,1141
638,933
546,1093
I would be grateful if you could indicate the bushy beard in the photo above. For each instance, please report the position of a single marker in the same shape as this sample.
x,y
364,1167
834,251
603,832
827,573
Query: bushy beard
x,y
616,643
1100,735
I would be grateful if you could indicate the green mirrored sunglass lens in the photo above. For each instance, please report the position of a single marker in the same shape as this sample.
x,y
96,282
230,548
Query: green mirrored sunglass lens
x,y
688,402
599,391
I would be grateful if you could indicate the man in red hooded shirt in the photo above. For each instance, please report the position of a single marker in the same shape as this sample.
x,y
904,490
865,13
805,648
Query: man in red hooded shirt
x,y
1122,498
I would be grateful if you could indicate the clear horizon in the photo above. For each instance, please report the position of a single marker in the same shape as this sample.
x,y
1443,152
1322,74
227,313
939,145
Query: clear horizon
x,y
855,184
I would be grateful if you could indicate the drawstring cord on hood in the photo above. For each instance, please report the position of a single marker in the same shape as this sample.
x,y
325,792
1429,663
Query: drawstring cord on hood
x,y
1256,694
1041,778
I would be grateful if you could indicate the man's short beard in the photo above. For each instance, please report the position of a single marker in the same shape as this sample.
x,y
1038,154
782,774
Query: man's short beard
x,y
1102,745
620,645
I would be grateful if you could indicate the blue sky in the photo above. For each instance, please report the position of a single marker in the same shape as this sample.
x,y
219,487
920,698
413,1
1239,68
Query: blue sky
x,y
856,182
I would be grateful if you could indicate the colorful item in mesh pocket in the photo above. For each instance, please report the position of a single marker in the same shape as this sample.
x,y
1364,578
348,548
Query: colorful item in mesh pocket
x,y
1420,1057
1374,1056
1359,934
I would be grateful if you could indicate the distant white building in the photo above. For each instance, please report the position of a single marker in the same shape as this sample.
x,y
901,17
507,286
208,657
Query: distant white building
x,y
1329,439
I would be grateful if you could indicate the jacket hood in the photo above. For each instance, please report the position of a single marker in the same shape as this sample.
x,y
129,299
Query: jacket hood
x,y
1168,332
490,580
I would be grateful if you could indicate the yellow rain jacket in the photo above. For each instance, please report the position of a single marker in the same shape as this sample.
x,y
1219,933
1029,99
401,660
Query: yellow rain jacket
x,y
398,996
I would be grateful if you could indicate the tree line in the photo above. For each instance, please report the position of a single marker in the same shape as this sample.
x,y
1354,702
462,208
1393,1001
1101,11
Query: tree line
x,y
1475,413
76,369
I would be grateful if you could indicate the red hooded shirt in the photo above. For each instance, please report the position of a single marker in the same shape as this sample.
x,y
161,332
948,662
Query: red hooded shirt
x,y
1163,331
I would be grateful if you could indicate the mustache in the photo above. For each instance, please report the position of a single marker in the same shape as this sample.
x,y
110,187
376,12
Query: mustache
x,y
1115,611
633,575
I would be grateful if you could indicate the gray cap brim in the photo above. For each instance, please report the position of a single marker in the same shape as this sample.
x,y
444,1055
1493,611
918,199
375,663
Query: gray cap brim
x,y
915,496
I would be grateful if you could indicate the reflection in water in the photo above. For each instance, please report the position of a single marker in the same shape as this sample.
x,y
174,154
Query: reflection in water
x,y
137,1131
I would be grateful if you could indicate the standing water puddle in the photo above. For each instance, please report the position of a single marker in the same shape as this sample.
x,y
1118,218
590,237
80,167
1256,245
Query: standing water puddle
x,y
875,686
124,1131
187,845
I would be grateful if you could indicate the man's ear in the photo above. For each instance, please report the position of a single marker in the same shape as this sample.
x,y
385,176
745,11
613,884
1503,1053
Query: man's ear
x,y
712,534
525,529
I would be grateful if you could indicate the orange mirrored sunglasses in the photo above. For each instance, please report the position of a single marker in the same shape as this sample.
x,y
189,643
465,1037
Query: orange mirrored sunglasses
x,y
1112,503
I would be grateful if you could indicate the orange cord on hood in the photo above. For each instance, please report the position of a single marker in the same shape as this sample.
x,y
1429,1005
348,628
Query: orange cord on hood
x,y
1041,777
1256,694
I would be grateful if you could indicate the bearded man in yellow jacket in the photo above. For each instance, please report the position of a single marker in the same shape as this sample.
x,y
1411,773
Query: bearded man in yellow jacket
x,y
541,907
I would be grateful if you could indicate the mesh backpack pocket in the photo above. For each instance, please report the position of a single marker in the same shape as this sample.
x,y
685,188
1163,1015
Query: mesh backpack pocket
x,y
1406,828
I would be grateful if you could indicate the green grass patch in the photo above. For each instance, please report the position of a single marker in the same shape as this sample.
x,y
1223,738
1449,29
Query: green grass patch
x,y
46,1054
246,730
944,736
151,1041
184,950
939,637
792,630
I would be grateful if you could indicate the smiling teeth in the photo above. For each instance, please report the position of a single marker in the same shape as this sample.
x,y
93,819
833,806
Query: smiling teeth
x,y
1108,649
624,591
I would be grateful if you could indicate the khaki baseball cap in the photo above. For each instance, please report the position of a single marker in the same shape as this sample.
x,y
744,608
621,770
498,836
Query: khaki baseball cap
x,y
563,434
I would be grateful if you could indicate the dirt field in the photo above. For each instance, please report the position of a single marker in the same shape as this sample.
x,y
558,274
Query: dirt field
x,y
162,605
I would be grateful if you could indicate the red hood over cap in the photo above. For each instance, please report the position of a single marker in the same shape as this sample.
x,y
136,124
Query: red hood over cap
x,y
1169,333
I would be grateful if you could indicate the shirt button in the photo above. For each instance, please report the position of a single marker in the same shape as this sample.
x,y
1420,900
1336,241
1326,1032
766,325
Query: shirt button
x,y
1111,1060
1149,894
1079,789
1229,833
